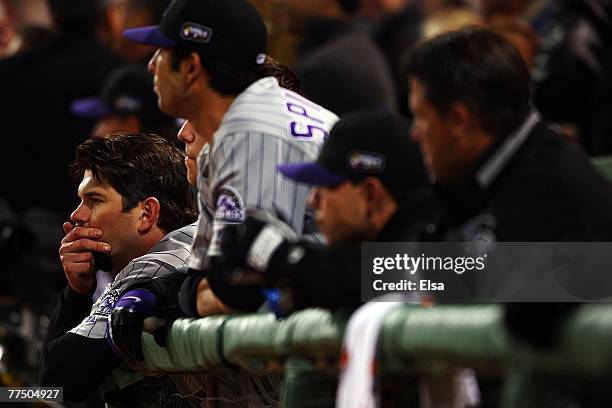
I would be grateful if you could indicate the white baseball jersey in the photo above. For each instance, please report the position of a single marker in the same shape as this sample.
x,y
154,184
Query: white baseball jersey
x,y
265,126
164,258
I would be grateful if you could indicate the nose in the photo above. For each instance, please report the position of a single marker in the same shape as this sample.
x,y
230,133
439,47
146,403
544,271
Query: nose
x,y
314,198
186,133
80,216
153,62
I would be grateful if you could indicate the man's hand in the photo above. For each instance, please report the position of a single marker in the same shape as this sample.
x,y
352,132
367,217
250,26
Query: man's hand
x,y
126,322
207,303
76,255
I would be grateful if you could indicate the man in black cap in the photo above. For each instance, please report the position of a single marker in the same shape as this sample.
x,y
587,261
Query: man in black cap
x,y
211,69
369,185
126,102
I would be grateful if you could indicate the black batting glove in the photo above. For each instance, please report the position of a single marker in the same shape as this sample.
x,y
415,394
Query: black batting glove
x,y
260,244
253,254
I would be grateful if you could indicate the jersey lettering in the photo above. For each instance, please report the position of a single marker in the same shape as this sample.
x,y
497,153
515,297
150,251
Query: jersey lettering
x,y
308,132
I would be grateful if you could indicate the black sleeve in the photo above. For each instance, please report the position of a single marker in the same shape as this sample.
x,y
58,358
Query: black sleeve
x,y
327,277
71,309
71,361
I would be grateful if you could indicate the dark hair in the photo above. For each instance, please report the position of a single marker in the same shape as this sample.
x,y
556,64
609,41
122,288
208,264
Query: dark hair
x,y
138,166
477,67
231,79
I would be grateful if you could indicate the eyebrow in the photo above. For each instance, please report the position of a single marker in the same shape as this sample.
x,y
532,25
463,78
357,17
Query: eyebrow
x,y
94,193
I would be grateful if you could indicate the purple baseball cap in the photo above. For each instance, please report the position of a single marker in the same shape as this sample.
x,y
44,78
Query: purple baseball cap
x,y
227,30
149,35
311,173
92,107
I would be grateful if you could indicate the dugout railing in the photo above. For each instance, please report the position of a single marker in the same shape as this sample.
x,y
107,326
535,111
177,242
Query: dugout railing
x,y
415,341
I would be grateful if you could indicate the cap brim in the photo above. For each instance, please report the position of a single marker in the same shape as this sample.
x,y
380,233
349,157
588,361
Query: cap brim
x,y
90,108
149,35
311,173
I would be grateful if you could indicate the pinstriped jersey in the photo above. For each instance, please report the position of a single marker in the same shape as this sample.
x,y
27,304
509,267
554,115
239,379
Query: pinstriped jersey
x,y
164,258
265,126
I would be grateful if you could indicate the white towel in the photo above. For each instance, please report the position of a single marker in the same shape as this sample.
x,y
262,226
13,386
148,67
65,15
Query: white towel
x,y
359,353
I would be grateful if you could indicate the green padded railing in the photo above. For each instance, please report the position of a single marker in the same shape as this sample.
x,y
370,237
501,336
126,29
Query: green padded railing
x,y
456,335
254,342
414,340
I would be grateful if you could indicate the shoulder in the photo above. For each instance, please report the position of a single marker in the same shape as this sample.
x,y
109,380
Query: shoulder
x,y
265,107
266,111
164,258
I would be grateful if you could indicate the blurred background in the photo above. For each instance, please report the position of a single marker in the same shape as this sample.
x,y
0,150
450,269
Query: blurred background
x,y
55,55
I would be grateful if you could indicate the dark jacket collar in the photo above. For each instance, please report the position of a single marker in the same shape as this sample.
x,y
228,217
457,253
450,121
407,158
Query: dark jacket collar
x,y
466,197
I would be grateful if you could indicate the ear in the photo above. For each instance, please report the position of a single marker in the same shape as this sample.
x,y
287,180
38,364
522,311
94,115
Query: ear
x,y
372,189
460,117
191,68
150,214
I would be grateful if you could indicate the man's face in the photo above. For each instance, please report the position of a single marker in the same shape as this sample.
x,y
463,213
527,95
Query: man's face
x,y
433,132
193,146
101,207
168,84
341,212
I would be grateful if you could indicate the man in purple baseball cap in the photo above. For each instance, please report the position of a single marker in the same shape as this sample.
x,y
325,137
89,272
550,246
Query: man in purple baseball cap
x,y
368,168
211,69
127,103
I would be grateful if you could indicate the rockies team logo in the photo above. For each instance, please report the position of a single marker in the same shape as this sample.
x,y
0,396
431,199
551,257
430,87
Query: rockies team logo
x,y
230,208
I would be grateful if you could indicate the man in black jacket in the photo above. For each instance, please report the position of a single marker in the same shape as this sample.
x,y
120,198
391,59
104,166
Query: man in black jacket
x,y
369,185
502,173
497,165
131,221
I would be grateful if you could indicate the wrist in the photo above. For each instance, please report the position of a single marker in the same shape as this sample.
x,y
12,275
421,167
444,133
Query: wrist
x,y
269,244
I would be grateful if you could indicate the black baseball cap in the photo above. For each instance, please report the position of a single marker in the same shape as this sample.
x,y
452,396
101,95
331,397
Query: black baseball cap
x,y
127,90
365,144
226,30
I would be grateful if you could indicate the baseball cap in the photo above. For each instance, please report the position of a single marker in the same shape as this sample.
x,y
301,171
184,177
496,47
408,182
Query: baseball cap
x,y
127,90
226,30
365,144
